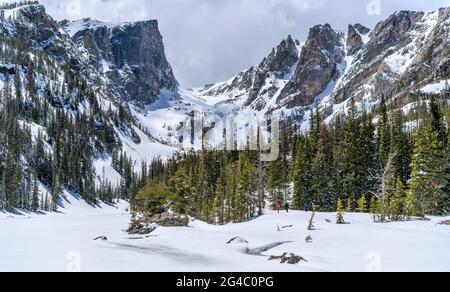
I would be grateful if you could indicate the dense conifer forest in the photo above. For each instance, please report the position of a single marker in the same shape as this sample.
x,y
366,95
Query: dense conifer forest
x,y
392,165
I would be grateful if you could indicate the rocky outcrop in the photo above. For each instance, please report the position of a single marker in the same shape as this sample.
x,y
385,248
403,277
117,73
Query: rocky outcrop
x,y
317,67
169,220
138,227
288,258
354,38
145,223
131,55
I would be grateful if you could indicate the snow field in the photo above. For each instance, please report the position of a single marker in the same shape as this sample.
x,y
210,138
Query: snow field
x,y
64,242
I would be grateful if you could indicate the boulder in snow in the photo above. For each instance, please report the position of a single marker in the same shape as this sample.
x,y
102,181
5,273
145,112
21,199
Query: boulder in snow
x,y
288,258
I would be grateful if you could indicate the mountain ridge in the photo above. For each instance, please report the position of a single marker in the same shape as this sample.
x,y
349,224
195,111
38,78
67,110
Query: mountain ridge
x,y
372,62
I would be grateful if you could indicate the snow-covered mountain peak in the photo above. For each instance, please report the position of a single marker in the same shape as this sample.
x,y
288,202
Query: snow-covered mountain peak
x,y
396,58
131,55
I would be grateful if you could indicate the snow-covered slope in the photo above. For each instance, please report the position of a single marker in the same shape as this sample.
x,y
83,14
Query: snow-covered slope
x,y
359,246
51,75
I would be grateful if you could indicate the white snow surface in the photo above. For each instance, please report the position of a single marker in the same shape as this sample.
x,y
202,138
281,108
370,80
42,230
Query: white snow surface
x,y
73,27
435,88
65,242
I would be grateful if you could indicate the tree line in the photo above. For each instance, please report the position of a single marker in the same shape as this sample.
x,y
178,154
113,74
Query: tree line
x,y
375,162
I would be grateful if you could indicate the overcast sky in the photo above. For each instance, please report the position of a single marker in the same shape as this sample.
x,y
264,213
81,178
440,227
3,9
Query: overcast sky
x,y
211,40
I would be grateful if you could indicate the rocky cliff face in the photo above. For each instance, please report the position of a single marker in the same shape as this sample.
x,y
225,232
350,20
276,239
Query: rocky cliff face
x,y
318,66
130,54
355,36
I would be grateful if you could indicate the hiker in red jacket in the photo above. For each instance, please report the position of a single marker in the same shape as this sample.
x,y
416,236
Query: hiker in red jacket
x,y
277,207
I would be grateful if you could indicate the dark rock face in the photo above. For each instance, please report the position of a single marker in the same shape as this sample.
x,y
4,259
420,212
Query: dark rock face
x,y
361,29
354,38
317,66
134,54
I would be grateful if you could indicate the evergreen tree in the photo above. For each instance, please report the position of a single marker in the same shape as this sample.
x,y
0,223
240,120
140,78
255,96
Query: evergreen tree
x,y
340,212
384,131
375,209
396,201
352,154
321,170
362,204
410,208
303,177
428,178
35,194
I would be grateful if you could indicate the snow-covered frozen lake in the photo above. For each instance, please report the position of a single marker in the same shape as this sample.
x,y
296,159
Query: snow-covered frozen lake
x,y
64,242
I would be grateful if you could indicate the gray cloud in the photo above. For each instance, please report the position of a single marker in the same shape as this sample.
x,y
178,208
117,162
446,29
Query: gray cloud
x,y
211,40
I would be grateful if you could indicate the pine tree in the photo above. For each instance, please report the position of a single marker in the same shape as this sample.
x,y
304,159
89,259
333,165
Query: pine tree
x,y
311,221
410,208
352,180
384,131
362,204
181,190
153,198
35,194
396,201
349,205
303,177
428,178
375,208
56,190
321,170
340,212
220,200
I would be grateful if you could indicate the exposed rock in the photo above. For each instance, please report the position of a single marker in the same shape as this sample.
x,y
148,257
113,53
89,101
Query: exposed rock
x,y
317,67
445,222
288,258
169,220
147,223
102,238
354,38
131,55
361,29
137,227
